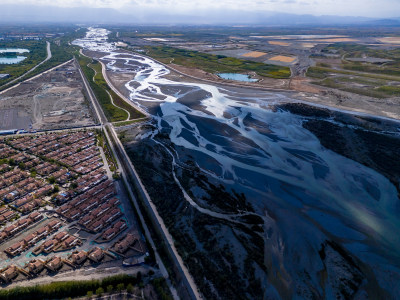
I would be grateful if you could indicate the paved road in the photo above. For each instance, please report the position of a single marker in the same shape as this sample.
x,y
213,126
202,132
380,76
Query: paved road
x,y
128,167
112,101
103,157
31,70
157,220
99,112
104,125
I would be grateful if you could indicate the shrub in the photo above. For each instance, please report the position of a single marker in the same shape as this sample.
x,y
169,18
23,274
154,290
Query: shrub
x,y
120,287
99,291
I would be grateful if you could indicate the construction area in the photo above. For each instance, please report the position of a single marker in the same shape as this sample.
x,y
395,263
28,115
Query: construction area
x,y
52,100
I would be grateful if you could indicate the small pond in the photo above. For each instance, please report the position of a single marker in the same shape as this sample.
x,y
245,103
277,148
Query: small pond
x,y
12,59
237,77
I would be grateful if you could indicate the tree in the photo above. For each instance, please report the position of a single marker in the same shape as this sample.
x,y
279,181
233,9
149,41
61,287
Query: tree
x,y
89,294
110,288
99,291
129,288
120,287
56,189
52,179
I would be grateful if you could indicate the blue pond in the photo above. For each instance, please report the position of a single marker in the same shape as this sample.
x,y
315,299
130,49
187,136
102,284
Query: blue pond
x,y
12,60
236,76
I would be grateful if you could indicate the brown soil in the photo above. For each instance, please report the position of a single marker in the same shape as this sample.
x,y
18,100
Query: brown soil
x,y
52,100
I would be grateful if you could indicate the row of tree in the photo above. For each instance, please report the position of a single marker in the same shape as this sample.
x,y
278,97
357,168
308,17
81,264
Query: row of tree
x,y
65,289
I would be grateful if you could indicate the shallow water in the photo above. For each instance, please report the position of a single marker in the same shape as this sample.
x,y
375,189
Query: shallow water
x,y
237,77
16,50
236,137
11,60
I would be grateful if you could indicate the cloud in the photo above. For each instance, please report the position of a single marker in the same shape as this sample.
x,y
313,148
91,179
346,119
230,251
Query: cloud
x,y
371,8
74,3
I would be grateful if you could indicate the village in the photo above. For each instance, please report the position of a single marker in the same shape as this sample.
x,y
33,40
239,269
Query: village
x,y
62,206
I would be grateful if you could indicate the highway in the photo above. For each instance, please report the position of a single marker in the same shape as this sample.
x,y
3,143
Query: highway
x,y
99,112
126,168
129,169
156,218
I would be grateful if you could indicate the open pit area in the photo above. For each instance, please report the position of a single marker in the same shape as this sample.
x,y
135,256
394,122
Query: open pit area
x,y
52,100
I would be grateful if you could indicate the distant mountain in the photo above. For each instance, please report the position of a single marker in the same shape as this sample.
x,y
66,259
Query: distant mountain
x,y
385,22
137,14
35,13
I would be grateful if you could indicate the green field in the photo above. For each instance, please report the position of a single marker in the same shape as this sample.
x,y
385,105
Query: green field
x,y
118,101
125,123
214,63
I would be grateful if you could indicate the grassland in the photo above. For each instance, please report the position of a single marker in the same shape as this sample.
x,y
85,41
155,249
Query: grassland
x,y
214,63
114,113
374,79
118,101
125,123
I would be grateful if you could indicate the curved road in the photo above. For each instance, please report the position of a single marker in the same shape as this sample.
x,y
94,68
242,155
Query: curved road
x,y
103,68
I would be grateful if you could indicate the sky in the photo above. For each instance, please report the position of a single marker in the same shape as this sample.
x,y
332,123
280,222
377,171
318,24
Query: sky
x,y
366,8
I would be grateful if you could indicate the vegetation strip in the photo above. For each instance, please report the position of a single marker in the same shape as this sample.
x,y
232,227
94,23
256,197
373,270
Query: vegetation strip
x,y
64,289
